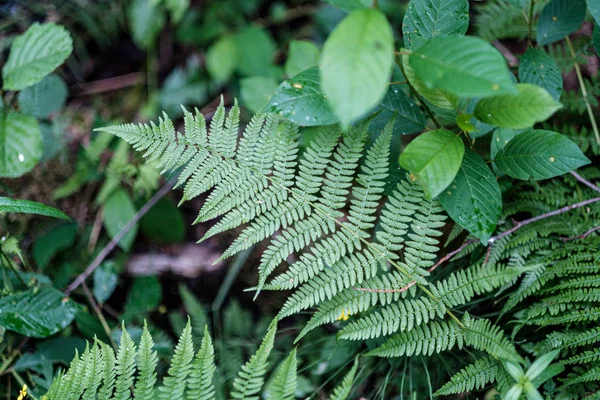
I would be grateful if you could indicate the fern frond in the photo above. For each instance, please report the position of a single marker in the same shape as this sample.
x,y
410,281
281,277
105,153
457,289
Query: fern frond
x,y
196,312
200,383
482,335
591,375
94,368
248,384
569,340
583,358
286,380
343,390
125,366
110,374
146,362
473,377
181,365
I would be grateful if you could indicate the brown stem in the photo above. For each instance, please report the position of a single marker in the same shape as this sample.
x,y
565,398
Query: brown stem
x,y
582,236
585,181
113,243
99,314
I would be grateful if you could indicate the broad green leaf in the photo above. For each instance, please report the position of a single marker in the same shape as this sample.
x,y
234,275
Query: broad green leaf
x,y
539,154
256,91
146,21
596,38
35,54
356,64
540,69
255,49
481,129
117,211
350,5
221,59
532,104
153,223
541,364
558,19
302,55
409,117
301,100
464,65
433,159
8,205
44,98
594,7
105,281
474,199
20,144
54,241
144,296
500,138
426,19
37,313
464,122
438,97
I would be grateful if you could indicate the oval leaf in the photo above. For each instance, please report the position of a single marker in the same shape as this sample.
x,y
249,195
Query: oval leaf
x,y
437,97
426,19
532,104
594,7
29,207
29,62
356,64
44,98
20,144
558,19
301,100
539,154
540,69
221,58
474,199
256,91
37,312
433,158
118,211
464,65
302,56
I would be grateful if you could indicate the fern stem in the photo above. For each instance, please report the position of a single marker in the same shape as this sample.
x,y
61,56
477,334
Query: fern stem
x,y
588,106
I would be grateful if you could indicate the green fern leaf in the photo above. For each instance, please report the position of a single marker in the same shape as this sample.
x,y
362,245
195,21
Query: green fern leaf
x,y
110,374
482,335
94,368
174,384
473,377
286,380
200,383
125,367
343,390
146,362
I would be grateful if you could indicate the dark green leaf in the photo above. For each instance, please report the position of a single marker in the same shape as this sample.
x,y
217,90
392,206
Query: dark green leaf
x,y
464,65
221,59
105,281
474,199
433,158
356,64
539,154
409,117
118,210
302,55
594,7
532,104
146,21
596,38
44,98
255,49
301,100
501,138
37,313
144,296
29,207
540,69
256,91
350,5
20,144
558,19
57,239
426,19
28,62
481,129
164,223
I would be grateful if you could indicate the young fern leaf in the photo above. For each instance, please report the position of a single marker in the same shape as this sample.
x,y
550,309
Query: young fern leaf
x,y
174,384
200,383
482,335
286,379
93,373
197,315
125,367
251,378
110,374
146,362
473,377
343,390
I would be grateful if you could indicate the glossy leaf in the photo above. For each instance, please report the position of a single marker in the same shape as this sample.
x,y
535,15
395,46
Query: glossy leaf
x,y
302,55
438,97
105,281
8,205
539,154
408,116
20,144
464,65
356,64
596,38
29,62
426,19
37,312
44,98
594,7
433,159
256,91
558,19
221,59
474,199
118,210
538,68
301,100
532,104
500,138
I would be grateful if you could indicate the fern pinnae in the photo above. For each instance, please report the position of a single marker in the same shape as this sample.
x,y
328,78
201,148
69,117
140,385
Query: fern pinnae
x,y
474,376
124,366
344,389
173,386
109,375
482,335
146,361
286,379
200,383
93,373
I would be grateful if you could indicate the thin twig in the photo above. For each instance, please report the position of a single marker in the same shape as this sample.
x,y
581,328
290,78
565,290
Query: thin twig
x,y
584,92
110,84
113,243
582,236
99,314
585,181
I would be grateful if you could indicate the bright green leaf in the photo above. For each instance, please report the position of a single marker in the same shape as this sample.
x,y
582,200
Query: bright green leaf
x,y
514,393
532,104
8,205
44,98
539,154
20,144
255,49
433,158
464,122
558,19
426,19
540,365
540,69
105,281
146,21
256,91
396,104
464,65
514,370
117,211
221,59
474,199
177,9
438,97
356,64
37,312
302,55
28,62
301,100
349,5
531,393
